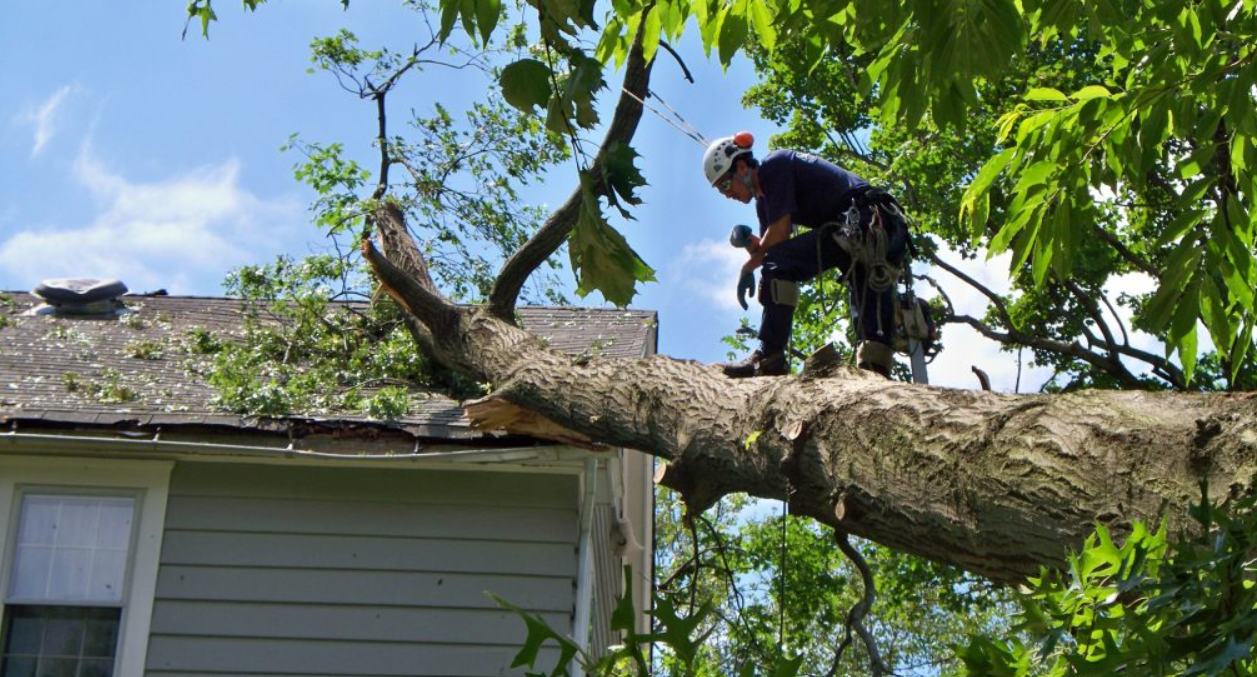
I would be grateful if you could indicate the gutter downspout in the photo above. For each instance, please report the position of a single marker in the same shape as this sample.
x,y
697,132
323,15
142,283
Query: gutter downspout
x,y
585,572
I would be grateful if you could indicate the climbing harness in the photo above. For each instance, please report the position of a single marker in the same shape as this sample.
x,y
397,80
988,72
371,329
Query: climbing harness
x,y
863,233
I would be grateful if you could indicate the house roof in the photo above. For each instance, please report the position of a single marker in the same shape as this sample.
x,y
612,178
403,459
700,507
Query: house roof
x,y
40,357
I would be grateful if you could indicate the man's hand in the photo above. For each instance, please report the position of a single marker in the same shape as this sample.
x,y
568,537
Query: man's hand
x,y
746,285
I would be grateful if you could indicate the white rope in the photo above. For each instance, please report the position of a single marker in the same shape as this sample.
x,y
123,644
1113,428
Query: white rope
x,y
691,133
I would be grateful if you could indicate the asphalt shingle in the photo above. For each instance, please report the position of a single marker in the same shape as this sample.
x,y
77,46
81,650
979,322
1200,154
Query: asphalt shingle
x,y
45,362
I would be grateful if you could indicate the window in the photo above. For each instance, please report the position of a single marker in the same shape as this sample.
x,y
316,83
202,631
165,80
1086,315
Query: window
x,y
64,602
79,541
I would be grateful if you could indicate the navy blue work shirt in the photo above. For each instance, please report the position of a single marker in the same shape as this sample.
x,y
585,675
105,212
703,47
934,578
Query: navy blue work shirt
x,y
811,190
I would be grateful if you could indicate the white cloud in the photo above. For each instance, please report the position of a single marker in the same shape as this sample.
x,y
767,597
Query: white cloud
x,y
43,118
709,268
180,233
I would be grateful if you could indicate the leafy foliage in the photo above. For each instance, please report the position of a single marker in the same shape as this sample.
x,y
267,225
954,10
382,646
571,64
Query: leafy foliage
x,y
681,636
1148,607
601,255
735,556
300,351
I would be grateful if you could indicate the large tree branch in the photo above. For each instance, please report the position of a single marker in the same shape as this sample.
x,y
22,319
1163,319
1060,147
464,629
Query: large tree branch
x,y
995,483
553,233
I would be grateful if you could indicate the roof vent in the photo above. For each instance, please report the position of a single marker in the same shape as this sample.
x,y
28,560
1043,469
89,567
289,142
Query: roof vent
x,y
80,297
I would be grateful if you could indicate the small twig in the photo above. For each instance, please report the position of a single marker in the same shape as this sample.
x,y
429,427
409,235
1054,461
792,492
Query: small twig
x,y
738,601
1126,252
680,62
693,529
1120,324
983,379
1017,383
995,299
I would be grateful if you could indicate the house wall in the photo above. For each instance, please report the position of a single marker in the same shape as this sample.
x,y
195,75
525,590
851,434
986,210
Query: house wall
x,y
269,570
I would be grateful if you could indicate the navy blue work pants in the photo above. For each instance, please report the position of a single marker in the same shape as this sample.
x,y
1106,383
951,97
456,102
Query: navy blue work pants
x,y
807,255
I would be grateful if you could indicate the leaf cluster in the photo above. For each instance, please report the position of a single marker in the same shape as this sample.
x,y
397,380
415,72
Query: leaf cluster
x,y
301,349
1151,606
738,560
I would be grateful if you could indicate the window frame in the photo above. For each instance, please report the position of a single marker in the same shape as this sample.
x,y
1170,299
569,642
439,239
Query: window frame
x,y
148,482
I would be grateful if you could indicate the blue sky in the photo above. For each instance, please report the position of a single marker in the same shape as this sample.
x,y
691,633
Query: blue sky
x,y
129,152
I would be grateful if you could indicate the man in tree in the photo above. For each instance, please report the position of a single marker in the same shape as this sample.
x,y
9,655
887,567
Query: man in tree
x,y
853,227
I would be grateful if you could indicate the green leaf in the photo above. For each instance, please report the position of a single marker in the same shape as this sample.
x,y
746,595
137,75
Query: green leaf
x,y
786,667
449,15
584,81
1042,261
677,632
488,12
1183,328
1091,92
1061,237
651,32
203,11
1243,343
1180,225
622,176
600,256
762,19
1214,312
624,617
732,34
1034,175
539,632
1045,94
1178,267
979,188
526,84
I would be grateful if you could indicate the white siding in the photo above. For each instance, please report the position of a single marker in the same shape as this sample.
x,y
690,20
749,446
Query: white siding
x,y
270,570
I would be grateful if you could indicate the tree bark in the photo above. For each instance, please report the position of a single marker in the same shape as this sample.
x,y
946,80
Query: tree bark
x,y
997,484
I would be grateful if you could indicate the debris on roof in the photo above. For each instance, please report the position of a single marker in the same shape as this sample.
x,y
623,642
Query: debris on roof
x,y
129,373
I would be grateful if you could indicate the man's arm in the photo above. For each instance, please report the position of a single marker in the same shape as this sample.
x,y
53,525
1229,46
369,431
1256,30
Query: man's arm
x,y
778,231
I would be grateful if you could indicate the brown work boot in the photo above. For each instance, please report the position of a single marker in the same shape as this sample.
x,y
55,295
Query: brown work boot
x,y
757,364
875,357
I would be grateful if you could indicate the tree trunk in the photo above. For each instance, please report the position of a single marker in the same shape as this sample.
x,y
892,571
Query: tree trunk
x,y
997,484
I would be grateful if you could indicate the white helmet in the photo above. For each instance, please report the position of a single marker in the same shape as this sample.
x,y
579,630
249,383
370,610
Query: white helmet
x,y
718,159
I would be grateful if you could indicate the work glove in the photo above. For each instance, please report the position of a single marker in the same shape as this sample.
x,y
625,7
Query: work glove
x,y
740,237
746,285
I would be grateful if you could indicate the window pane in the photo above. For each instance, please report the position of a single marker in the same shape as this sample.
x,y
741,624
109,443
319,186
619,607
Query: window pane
x,y
115,523
102,638
76,522
63,636
106,574
25,635
72,548
31,567
39,520
18,667
51,641
96,669
57,667
68,578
